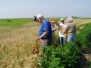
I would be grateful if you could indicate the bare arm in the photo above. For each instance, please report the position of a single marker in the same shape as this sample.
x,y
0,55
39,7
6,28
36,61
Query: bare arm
x,y
54,29
66,31
45,33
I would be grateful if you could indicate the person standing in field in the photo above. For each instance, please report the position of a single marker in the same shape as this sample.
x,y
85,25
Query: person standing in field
x,y
45,31
62,35
71,30
53,29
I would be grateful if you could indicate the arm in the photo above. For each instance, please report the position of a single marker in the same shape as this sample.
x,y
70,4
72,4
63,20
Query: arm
x,y
60,28
45,33
54,29
66,31
67,28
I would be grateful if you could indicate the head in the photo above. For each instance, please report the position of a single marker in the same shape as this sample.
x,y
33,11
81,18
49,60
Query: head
x,y
40,18
62,20
52,22
69,19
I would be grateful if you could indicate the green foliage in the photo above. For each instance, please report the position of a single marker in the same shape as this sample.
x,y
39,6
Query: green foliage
x,y
89,64
8,20
57,57
83,39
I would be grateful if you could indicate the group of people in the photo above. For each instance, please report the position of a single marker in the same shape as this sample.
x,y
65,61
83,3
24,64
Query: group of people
x,y
67,31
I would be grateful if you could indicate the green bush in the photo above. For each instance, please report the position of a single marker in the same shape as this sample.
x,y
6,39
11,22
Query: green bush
x,y
57,57
8,20
83,39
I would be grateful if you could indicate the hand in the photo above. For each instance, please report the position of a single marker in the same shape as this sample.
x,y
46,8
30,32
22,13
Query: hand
x,y
37,38
60,28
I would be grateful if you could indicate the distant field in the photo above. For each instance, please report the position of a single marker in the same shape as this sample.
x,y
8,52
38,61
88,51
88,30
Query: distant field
x,y
16,44
14,22
21,21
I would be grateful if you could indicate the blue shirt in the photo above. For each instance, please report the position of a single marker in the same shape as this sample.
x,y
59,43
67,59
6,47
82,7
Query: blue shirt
x,y
45,26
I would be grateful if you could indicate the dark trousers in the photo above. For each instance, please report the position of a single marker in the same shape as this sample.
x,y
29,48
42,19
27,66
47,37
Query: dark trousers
x,y
62,41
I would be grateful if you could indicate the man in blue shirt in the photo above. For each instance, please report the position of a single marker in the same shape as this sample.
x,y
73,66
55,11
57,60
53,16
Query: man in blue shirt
x,y
45,31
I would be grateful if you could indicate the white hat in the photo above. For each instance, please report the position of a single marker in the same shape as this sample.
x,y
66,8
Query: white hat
x,y
61,19
40,16
70,19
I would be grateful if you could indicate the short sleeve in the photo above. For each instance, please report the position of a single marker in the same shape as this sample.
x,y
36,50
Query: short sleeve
x,y
46,26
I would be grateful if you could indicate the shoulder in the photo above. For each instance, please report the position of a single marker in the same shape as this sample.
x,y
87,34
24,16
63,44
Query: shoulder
x,y
73,24
46,21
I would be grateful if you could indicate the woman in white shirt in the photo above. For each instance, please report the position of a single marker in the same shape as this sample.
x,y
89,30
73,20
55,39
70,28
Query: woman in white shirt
x,y
62,27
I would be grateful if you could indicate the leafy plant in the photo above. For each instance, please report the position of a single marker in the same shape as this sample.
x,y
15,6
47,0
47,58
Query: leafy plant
x,y
65,57
83,39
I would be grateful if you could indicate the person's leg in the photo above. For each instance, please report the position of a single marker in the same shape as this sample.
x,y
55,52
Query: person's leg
x,y
49,41
61,41
43,42
64,40
52,39
46,42
71,38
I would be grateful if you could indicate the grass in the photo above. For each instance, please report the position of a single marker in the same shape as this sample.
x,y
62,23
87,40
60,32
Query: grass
x,y
8,25
16,44
14,22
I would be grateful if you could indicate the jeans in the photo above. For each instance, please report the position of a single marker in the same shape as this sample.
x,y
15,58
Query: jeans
x,y
62,41
71,38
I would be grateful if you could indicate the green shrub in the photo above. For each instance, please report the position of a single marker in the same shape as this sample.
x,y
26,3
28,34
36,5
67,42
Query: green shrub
x,y
83,39
57,57
8,20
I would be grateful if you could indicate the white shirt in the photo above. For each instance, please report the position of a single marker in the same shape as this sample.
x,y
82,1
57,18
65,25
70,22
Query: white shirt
x,y
62,25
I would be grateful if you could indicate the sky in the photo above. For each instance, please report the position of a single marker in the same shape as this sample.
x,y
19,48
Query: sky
x,y
48,8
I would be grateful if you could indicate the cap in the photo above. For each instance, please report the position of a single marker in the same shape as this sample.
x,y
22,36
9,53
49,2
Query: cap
x,y
40,16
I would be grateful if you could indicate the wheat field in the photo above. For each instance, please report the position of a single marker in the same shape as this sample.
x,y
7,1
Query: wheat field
x,y
16,45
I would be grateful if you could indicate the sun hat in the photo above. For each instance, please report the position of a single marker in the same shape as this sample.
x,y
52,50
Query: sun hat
x,y
62,19
40,16
70,19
